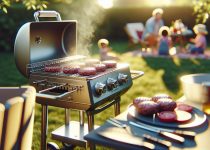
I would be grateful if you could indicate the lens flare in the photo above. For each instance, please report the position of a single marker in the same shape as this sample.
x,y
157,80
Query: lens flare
x,y
172,51
106,4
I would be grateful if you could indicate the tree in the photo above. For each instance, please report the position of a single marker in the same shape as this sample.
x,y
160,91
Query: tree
x,y
30,4
202,10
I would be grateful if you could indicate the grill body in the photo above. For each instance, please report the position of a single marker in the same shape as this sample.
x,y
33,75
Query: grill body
x,y
85,97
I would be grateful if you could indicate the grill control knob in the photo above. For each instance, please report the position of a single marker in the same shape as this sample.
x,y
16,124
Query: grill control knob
x,y
100,88
122,78
111,83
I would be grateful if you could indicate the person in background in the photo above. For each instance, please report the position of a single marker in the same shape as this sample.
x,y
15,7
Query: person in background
x,y
105,50
152,27
199,41
164,41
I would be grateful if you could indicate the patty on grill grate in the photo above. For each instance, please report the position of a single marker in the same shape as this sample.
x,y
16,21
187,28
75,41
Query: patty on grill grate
x,y
87,71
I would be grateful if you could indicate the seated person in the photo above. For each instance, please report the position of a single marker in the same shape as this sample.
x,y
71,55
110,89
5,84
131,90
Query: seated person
x,y
164,41
152,26
199,41
105,50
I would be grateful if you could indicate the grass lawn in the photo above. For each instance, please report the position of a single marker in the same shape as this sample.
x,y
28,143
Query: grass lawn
x,y
161,76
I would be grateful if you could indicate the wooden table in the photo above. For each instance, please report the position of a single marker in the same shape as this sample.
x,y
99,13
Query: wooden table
x,y
201,141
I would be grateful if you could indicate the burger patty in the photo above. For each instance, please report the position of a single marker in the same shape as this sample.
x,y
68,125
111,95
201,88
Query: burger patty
x,y
52,69
138,100
159,96
87,71
147,108
110,63
71,70
100,67
166,104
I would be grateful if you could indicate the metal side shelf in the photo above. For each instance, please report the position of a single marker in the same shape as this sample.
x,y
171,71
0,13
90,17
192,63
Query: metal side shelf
x,y
73,134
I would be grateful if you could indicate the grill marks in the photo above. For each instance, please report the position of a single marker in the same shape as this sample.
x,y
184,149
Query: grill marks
x,y
71,70
53,69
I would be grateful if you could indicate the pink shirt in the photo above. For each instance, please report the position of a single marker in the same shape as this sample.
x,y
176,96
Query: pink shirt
x,y
200,41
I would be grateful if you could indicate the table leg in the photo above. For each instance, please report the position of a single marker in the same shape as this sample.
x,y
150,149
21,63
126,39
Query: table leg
x,y
117,107
81,117
44,126
67,116
90,118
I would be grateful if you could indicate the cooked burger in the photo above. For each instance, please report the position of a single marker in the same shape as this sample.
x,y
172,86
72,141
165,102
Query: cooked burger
x,y
147,108
140,99
110,63
158,96
100,67
71,69
87,71
166,104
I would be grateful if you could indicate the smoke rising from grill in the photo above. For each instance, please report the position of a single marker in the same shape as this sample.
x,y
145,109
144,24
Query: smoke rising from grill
x,y
89,15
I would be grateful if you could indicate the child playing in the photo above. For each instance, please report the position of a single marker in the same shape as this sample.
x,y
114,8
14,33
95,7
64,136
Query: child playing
x,y
164,41
199,41
105,53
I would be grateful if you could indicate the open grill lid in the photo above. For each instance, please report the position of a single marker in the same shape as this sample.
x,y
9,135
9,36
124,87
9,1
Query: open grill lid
x,y
45,40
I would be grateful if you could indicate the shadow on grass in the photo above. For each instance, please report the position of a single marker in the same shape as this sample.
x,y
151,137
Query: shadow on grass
x,y
174,68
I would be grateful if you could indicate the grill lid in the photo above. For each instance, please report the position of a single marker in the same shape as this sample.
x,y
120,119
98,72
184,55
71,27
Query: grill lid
x,y
45,40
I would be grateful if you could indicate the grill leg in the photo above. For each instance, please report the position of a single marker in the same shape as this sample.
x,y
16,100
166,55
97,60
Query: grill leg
x,y
81,117
67,116
44,126
117,107
92,146
90,118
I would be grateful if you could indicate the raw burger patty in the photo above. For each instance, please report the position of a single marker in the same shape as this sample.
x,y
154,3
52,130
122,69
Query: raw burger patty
x,y
147,108
184,107
138,100
71,70
159,96
52,69
87,71
166,104
174,116
100,67
110,63
167,116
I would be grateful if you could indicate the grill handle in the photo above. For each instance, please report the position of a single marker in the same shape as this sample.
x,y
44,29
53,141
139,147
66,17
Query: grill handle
x,y
53,97
136,74
49,13
52,88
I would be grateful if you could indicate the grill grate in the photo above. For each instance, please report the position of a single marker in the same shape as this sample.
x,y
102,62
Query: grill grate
x,y
39,66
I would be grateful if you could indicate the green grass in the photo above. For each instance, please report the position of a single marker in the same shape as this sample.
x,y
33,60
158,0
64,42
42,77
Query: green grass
x,y
161,76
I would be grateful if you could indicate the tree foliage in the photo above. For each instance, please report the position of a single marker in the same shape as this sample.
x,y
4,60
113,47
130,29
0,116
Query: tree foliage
x,y
202,10
30,4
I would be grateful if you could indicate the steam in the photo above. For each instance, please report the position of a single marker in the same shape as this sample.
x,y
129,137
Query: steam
x,y
89,15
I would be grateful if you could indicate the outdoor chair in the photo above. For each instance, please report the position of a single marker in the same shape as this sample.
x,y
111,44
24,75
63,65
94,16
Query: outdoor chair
x,y
135,33
28,117
2,108
11,124
18,118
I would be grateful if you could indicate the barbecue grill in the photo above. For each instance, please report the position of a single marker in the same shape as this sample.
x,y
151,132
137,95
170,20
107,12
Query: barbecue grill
x,y
42,45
